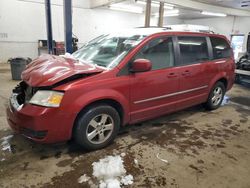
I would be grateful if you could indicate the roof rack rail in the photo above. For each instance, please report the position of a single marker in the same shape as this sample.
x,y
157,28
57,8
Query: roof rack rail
x,y
191,28
166,27
205,31
184,28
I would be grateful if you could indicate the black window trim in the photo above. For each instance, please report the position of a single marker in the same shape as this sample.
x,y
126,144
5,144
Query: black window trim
x,y
180,63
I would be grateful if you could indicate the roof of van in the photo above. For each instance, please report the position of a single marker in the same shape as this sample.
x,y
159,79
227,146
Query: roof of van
x,y
142,31
154,30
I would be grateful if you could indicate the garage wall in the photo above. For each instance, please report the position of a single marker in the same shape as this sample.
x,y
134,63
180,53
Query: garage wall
x,y
22,24
172,21
225,25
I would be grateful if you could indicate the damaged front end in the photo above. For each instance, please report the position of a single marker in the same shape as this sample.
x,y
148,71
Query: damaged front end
x,y
23,93
31,107
35,107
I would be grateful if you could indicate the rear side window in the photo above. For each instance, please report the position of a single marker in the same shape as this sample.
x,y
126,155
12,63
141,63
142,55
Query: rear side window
x,y
159,51
193,49
221,48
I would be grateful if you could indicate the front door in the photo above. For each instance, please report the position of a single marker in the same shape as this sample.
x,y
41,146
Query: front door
x,y
152,92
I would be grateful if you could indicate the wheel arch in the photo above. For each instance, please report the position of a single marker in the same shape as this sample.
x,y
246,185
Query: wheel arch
x,y
107,101
219,78
224,81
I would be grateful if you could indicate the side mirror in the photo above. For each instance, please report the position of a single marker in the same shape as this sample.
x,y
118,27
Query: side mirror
x,y
141,65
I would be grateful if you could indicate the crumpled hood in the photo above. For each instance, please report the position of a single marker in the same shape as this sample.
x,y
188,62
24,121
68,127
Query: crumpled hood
x,y
48,70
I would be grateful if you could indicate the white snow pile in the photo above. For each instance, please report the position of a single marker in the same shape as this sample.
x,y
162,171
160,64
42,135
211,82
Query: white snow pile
x,y
5,143
111,173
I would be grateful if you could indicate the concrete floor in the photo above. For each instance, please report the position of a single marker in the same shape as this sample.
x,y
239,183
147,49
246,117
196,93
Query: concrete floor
x,y
203,149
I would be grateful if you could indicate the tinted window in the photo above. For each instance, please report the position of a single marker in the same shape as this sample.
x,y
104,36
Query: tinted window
x,y
221,48
159,51
193,49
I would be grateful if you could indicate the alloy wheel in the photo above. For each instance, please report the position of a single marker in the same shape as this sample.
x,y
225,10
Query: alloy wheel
x,y
217,96
100,128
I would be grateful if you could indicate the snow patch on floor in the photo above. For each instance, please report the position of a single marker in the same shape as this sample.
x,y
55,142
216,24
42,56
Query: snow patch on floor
x,y
111,173
5,143
127,180
83,178
225,100
136,161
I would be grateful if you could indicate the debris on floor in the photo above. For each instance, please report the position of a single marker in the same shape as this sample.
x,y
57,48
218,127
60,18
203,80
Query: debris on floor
x,y
136,161
5,143
163,160
111,173
83,178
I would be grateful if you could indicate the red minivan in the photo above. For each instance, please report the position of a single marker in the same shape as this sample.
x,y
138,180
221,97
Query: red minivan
x,y
119,79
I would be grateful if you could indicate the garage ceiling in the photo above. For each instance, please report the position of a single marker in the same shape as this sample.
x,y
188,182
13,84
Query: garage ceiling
x,y
239,4
188,9
184,13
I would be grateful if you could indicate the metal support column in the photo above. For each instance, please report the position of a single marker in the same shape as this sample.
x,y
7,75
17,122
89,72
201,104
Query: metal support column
x,y
68,25
161,14
49,26
148,13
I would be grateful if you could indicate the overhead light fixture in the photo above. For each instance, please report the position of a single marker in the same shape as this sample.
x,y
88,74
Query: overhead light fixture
x,y
126,8
213,14
156,4
169,13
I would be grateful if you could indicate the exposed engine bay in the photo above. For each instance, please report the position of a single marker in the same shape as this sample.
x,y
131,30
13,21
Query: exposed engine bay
x,y
243,63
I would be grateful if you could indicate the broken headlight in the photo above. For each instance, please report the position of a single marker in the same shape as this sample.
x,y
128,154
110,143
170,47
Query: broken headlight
x,y
47,98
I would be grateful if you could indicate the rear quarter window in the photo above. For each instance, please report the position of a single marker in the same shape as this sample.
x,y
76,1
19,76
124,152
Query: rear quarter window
x,y
221,48
193,49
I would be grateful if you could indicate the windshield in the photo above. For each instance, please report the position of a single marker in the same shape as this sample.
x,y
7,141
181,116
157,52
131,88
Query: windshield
x,y
107,50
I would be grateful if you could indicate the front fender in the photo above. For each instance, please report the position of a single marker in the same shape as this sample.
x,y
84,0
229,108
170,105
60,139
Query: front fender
x,y
92,96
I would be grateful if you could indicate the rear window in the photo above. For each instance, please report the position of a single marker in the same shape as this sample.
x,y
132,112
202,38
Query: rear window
x,y
221,48
193,49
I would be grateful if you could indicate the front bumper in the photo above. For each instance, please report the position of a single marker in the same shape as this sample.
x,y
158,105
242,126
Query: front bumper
x,y
43,125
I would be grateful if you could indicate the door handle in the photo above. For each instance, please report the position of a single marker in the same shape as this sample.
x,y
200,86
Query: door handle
x,y
186,72
172,75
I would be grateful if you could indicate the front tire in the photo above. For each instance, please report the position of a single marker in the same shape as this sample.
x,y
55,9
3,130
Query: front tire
x,y
216,96
97,127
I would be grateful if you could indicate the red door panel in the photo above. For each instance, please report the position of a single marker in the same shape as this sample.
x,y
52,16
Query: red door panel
x,y
194,85
151,93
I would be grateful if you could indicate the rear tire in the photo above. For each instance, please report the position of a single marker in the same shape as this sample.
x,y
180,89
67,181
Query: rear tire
x,y
97,127
216,96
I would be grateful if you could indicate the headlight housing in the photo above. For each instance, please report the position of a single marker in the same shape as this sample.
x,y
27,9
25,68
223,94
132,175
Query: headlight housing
x,y
47,98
